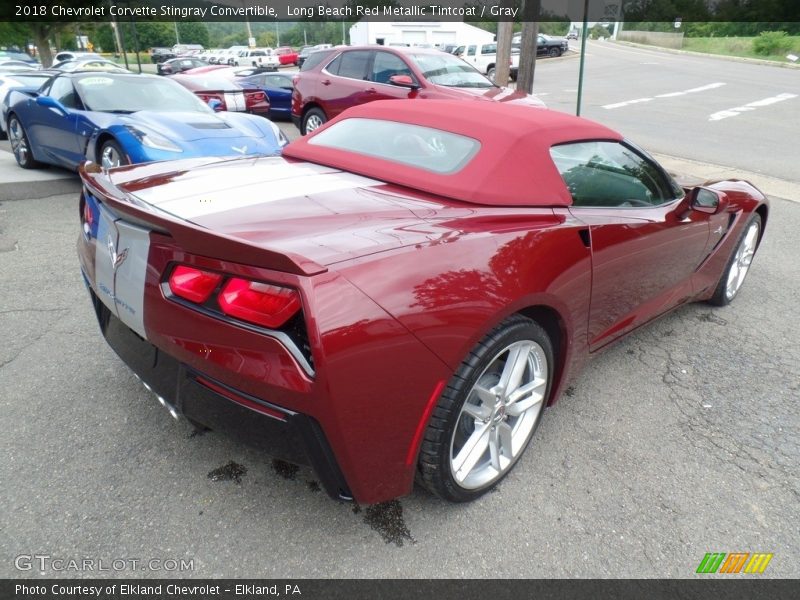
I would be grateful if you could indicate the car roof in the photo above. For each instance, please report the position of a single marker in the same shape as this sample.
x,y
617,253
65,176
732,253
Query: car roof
x,y
512,168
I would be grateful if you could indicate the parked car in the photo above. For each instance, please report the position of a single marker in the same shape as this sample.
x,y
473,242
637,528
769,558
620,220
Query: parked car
x,y
278,88
249,56
287,55
224,94
179,65
69,55
551,46
160,55
484,58
121,118
399,295
307,50
572,35
29,79
17,65
88,64
336,79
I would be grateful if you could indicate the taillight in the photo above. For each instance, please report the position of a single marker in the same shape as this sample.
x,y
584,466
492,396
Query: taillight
x,y
88,217
193,284
259,303
253,98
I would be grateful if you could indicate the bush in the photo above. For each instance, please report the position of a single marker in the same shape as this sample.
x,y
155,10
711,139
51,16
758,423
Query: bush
x,y
772,42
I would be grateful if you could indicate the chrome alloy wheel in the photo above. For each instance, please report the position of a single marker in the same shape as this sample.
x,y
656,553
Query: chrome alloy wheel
x,y
313,122
19,144
742,261
110,157
499,415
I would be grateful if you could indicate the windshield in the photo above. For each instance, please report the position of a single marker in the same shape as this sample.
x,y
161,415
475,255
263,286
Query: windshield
x,y
107,93
448,70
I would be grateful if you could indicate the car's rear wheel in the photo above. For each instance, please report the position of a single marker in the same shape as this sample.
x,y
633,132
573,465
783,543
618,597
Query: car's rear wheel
x,y
738,264
488,411
20,145
554,52
111,155
490,74
313,119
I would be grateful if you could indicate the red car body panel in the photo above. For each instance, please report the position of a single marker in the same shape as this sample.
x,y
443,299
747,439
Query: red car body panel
x,y
397,284
286,55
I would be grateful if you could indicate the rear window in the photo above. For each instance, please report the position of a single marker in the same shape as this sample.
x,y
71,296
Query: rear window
x,y
314,59
425,148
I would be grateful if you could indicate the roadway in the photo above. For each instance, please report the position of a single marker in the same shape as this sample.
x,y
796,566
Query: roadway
x,y
704,108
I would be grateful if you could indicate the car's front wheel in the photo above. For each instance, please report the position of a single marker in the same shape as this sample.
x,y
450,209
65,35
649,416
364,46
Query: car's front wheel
x,y
738,264
554,52
20,145
488,411
111,155
312,120
490,74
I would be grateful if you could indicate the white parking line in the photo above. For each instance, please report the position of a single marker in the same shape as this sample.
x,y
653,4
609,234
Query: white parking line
x,y
732,112
703,88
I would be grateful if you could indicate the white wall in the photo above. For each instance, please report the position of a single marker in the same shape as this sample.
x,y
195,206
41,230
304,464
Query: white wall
x,y
368,32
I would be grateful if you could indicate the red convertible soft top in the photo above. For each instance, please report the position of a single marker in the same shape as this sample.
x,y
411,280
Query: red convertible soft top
x,y
512,168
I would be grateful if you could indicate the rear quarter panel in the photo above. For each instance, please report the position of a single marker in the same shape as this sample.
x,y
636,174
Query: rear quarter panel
x,y
479,270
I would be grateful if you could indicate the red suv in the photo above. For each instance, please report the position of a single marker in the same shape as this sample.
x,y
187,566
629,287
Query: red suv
x,y
331,81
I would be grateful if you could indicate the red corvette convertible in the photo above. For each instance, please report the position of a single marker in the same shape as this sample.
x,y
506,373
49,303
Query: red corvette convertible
x,y
400,295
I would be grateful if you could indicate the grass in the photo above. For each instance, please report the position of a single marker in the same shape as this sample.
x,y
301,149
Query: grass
x,y
736,46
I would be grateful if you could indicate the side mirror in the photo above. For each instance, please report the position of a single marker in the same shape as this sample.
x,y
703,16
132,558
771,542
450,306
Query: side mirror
x,y
216,105
708,201
403,81
50,102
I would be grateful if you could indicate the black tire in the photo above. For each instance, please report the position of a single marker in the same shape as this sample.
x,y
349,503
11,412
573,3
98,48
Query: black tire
x,y
554,52
111,149
316,116
490,74
20,145
721,296
448,421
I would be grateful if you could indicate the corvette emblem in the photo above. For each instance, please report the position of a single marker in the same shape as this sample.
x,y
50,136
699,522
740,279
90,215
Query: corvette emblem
x,y
719,230
241,150
116,259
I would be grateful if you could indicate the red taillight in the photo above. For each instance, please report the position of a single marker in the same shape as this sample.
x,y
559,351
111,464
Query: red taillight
x,y
253,98
259,303
88,217
193,284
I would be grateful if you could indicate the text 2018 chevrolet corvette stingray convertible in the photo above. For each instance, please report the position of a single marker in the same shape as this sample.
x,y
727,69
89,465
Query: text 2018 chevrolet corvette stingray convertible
x,y
400,295
121,118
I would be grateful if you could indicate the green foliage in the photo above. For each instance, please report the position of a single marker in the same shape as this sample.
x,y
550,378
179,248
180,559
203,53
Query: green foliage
x,y
772,43
599,31
194,32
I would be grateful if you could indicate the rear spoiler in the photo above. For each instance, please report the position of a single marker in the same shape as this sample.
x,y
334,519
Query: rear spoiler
x,y
192,238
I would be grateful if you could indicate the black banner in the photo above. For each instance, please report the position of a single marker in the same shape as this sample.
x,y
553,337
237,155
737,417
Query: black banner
x,y
399,10
732,588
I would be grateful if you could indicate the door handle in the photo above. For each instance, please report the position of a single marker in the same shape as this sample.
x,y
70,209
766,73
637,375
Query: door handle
x,y
371,91
326,82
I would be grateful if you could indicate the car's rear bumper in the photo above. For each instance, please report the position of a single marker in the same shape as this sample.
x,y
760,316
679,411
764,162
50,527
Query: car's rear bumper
x,y
282,433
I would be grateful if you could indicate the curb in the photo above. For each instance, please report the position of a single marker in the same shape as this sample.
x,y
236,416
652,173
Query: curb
x,y
693,172
742,59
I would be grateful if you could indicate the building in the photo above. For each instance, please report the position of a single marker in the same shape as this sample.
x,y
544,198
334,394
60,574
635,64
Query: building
x,y
408,33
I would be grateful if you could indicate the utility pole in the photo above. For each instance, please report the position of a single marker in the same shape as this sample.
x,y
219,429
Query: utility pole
x,y
177,36
505,32
527,55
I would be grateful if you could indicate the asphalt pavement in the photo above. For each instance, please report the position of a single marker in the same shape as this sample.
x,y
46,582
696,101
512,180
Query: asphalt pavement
x,y
680,440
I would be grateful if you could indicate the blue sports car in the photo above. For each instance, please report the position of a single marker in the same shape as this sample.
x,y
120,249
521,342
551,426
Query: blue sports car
x,y
120,118
278,88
